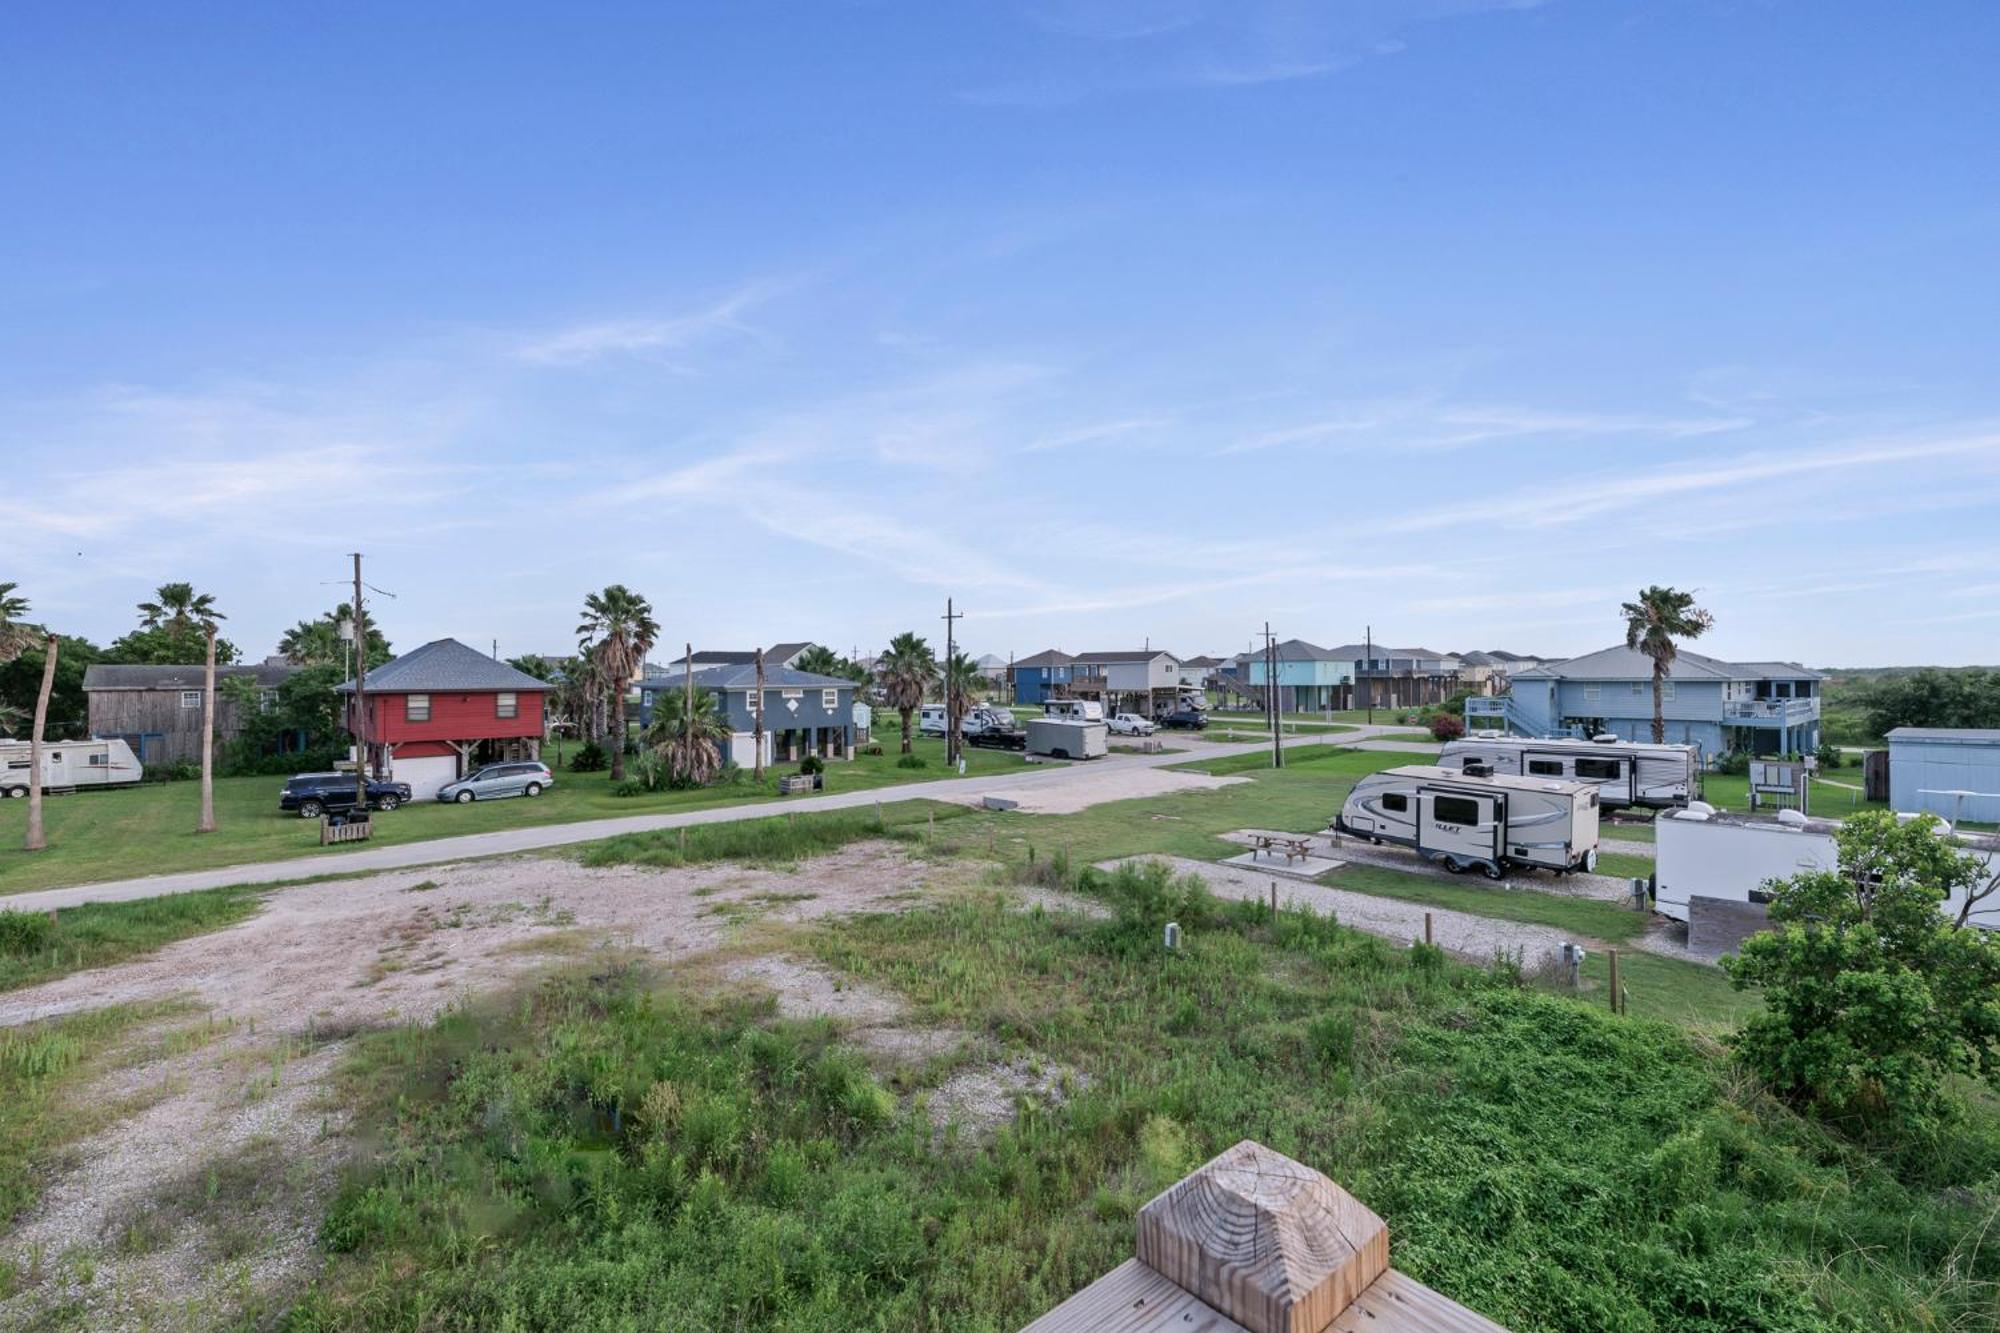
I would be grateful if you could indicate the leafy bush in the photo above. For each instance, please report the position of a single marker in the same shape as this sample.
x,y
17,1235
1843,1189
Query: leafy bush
x,y
589,758
873,748
24,933
911,760
1829,755
812,765
1873,997
1733,763
185,770
1446,726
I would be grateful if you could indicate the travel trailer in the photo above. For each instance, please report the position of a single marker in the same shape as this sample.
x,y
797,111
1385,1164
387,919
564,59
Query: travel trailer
x,y
1080,710
1626,772
1704,855
1067,738
69,766
1472,820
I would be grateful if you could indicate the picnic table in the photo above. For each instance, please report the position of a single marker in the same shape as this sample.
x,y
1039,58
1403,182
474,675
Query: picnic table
x,y
1291,846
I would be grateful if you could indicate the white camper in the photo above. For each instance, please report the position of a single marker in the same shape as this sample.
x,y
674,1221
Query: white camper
x,y
1079,710
69,765
1468,821
1703,854
1626,772
1067,738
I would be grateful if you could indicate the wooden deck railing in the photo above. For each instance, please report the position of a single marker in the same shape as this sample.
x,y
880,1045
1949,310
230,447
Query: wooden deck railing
x,y
1255,1242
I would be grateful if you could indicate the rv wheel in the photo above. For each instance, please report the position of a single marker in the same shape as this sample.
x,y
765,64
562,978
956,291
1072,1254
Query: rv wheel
x,y
1495,872
1454,865
14,793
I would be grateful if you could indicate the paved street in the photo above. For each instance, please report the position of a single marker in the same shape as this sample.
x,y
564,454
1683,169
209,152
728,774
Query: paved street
x,y
543,836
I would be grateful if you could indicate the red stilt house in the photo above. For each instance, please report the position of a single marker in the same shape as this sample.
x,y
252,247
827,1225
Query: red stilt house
x,y
442,710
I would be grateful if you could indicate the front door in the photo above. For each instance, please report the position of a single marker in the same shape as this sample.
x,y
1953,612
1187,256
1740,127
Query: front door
x,y
1459,824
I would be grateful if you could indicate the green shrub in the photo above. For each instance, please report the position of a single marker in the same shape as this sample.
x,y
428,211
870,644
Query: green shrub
x,y
911,760
872,749
1733,763
590,757
24,934
812,765
1829,755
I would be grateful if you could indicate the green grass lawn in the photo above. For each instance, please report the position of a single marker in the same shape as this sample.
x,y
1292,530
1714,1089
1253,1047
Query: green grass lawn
x,y
147,830
1589,918
616,1147
37,946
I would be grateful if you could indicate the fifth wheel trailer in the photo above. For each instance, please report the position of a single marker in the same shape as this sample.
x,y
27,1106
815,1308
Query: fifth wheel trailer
x,y
1473,821
1626,772
69,765
1704,856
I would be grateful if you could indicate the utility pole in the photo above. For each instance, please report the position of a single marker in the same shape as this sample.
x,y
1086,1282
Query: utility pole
x,y
1367,665
687,707
951,619
360,696
757,719
1271,697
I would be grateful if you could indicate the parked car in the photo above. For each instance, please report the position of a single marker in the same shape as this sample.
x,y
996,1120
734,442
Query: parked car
x,y
523,777
1185,719
931,720
316,794
1131,724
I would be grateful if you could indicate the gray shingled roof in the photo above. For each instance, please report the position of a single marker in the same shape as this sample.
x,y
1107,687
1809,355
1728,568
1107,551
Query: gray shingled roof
x,y
442,666
737,676
1129,655
1053,657
1621,663
108,676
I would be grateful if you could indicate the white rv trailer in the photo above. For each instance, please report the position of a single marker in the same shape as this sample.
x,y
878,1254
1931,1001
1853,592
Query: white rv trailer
x,y
1703,853
1626,772
1469,821
68,765
1067,738
1081,710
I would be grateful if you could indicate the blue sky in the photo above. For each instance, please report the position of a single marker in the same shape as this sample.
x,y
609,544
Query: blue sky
x,y
1116,320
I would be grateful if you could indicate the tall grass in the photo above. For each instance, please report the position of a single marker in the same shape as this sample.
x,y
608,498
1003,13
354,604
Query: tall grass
x,y
37,947
610,1150
781,839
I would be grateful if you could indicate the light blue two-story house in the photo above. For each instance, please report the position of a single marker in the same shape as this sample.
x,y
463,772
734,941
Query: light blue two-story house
x,y
1756,707
1310,678
804,713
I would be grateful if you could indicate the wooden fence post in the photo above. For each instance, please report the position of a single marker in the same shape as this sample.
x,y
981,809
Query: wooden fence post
x,y
1614,982
1428,938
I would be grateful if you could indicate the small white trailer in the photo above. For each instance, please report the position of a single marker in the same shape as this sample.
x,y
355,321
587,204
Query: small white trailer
x,y
1472,821
1078,710
68,766
1626,772
1067,738
1705,857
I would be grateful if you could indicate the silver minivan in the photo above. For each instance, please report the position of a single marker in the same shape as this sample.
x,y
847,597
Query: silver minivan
x,y
519,778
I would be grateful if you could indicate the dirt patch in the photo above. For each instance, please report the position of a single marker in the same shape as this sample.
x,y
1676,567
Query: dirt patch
x,y
122,1237
981,1100
1129,784
871,1019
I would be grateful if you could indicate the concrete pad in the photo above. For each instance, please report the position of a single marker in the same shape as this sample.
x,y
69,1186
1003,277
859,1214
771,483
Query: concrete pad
x,y
1275,863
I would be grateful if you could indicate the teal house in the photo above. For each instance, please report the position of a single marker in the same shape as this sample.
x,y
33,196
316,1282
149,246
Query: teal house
x,y
1310,678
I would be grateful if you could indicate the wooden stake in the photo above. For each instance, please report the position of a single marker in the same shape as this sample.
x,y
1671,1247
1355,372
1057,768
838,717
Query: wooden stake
x,y
1614,981
1428,937
684,843
1274,900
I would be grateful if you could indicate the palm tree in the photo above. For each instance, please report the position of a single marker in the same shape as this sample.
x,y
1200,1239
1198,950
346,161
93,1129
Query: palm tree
x,y
37,841
15,637
179,609
688,736
820,661
12,716
618,630
204,606
1652,624
961,681
907,671
312,643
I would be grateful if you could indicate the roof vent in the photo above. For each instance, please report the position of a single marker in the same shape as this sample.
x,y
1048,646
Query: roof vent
x,y
1605,738
1792,818
1478,768
1702,808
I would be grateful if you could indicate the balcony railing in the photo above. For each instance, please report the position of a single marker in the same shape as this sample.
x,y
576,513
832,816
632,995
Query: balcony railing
x,y
1783,712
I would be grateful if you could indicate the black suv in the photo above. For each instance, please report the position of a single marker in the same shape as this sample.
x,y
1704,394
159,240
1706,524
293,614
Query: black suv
x,y
315,794
1184,719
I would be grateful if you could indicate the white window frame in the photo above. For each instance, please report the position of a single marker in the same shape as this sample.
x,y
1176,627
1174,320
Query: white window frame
x,y
829,700
1667,690
753,702
506,703
1593,694
410,708
190,698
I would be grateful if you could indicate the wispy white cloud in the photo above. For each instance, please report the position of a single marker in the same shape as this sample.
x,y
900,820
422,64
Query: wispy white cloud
x,y
651,338
1097,434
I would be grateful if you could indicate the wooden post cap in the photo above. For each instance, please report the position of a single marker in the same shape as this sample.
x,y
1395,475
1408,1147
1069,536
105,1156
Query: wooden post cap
x,y
1265,1240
